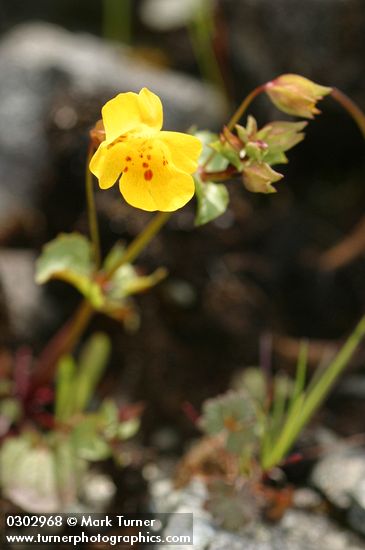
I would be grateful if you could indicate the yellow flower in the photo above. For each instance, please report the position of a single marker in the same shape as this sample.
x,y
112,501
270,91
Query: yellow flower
x,y
154,167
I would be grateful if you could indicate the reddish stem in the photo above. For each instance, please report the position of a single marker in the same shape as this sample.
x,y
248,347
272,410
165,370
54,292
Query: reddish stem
x,y
63,342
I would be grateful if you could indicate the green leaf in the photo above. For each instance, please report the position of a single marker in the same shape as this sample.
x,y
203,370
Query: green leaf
x,y
69,469
252,380
92,364
114,428
68,258
212,201
218,162
232,411
88,442
126,282
27,475
128,428
307,401
65,388
109,416
10,409
233,505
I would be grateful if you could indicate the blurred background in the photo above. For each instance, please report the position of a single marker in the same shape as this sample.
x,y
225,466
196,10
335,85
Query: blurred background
x,y
270,271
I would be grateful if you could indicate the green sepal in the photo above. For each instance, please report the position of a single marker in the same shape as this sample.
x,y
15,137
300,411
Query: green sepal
x,y
226,150
217,162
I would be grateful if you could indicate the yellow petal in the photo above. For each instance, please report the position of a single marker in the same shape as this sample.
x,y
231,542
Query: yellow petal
x,y
152,181
130,112
150,107
108,162
184,149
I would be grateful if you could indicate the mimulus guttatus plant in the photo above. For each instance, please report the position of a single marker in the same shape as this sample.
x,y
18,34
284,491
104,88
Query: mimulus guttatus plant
x,y
154,167
156,171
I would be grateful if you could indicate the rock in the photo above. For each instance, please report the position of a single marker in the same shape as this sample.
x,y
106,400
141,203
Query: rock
x,y
306,499
167,15
97,491
356,514
40,65
298,530
26,308
338,474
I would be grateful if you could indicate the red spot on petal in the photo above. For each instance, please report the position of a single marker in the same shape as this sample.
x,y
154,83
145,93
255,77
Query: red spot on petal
x,y
149,157
148,175
125,169
145,165
164,162
128,159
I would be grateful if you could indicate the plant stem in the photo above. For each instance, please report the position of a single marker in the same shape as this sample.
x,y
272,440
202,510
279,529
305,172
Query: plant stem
x,y
201,31
91,211
141,241
350,106
63,342
244,105
67,337
236,117
117,20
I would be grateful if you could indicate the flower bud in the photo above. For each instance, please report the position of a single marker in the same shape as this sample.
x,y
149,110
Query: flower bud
x,y
258,177
97,133
295,95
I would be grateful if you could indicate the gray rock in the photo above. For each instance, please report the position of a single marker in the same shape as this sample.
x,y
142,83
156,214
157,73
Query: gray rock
x,y
23,300
167,15
41,63
97,490
298,530
356,513
338,474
